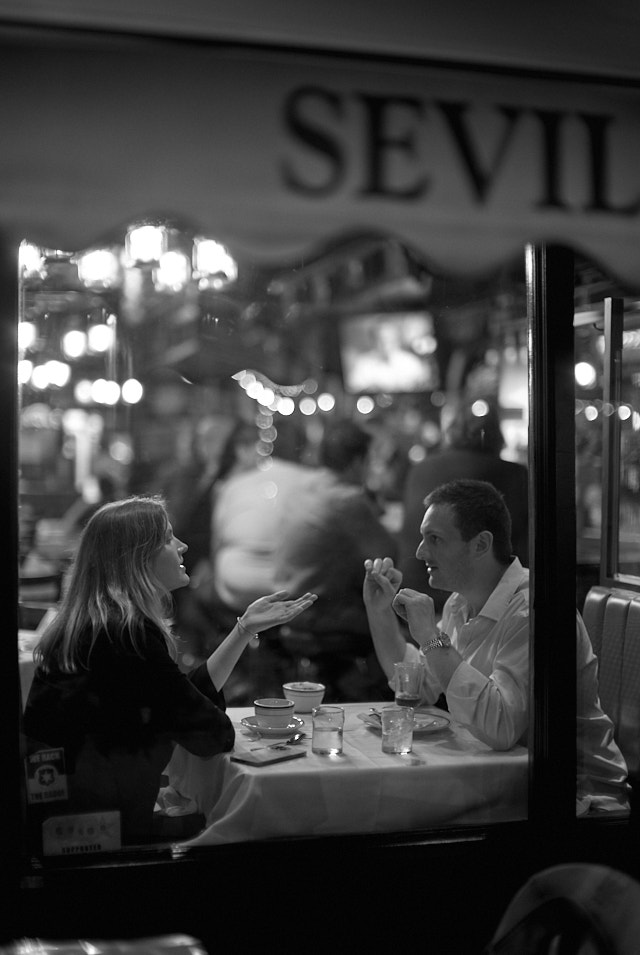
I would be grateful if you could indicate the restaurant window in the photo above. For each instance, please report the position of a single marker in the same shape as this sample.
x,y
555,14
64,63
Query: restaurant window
x,y
140,359
368,273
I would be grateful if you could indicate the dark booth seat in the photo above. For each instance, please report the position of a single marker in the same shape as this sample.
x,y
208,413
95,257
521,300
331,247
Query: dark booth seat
x,y
612,617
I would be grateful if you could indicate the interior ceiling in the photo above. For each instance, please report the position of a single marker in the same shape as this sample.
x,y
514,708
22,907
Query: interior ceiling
x,y
594,37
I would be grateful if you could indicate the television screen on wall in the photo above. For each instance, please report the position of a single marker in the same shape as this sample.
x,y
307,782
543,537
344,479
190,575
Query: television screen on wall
x,y
390,353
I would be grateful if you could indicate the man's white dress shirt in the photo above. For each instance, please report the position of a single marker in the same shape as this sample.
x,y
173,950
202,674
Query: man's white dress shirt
x,y
489,690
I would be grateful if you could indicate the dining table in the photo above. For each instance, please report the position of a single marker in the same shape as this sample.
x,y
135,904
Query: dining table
x,y
450,778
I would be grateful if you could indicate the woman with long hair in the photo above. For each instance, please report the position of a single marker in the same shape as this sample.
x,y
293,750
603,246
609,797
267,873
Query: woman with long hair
x,y
107,689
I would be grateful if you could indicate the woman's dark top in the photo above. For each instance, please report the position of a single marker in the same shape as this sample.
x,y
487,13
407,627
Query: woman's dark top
x,y
118,720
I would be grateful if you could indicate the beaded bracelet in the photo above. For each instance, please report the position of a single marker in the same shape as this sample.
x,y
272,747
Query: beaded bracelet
x,y
241,626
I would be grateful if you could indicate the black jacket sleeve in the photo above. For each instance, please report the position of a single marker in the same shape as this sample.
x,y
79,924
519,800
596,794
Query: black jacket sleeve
x,y
185,706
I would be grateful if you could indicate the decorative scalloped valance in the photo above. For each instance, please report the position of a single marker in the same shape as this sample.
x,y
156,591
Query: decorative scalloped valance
x,y
273,152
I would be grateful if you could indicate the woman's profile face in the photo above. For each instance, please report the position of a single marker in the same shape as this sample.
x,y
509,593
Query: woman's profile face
x,y
167,562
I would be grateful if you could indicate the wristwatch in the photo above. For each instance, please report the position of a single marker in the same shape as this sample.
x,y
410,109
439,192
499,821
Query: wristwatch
x,y
440,640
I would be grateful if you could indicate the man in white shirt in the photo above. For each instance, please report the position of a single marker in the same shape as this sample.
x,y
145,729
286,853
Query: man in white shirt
x,y
479,655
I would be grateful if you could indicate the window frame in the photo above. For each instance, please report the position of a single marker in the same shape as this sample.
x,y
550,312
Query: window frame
x,y
613,327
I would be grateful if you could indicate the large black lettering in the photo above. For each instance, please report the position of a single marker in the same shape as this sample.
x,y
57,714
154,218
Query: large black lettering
x,y
380,145
481,180
317,138
597,127
551,122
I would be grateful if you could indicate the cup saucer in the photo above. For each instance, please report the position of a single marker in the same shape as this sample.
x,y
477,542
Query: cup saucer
x,y
427,721
272,732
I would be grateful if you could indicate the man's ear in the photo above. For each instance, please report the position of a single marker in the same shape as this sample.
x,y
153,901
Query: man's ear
x,y
483,543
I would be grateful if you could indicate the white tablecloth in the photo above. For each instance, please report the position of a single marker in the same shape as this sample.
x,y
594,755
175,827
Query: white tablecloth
x,y
451,778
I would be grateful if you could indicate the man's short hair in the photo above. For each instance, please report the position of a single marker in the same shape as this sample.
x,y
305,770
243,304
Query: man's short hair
x,y
477,506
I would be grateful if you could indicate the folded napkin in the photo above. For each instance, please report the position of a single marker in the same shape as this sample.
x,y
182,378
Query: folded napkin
x,y
172,803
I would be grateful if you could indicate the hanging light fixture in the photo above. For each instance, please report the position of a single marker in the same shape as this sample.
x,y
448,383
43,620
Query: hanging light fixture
x,y
213,264
27,334
74,343
145,244
99,268
30,258
173,271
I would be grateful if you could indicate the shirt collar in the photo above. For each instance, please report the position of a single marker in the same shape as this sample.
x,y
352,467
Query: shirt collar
x,y
515,577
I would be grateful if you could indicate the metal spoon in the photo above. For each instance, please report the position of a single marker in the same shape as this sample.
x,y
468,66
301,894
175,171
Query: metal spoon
x,y
282,743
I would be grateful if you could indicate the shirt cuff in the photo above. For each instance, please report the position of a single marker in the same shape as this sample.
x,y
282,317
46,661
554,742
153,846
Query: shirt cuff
x,y
412,654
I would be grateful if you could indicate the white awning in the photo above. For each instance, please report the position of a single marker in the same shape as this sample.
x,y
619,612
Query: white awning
x,y
599,37
272,152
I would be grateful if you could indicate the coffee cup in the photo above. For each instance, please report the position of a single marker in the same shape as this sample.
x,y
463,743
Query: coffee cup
x,y
304,695
273,712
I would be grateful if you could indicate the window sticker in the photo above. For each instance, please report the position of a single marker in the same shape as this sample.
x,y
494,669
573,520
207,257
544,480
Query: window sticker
x,y
80,833
46,776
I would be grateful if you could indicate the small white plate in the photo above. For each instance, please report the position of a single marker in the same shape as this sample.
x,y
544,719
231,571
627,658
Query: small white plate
x,y
272,732
424,723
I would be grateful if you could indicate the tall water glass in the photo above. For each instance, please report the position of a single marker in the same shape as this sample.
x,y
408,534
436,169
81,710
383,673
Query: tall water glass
x,y
328,727
397,729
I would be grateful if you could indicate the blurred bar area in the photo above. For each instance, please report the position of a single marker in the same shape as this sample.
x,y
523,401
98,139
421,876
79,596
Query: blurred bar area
x,y
139,356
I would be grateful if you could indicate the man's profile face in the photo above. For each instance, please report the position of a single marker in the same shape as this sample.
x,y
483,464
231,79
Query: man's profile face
x,y
446,555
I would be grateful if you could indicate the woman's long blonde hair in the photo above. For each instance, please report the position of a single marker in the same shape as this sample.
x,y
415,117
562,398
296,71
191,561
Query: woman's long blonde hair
x,y
111,584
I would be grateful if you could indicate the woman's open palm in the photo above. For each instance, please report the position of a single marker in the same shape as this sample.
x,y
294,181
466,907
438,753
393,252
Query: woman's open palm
x,y
274,610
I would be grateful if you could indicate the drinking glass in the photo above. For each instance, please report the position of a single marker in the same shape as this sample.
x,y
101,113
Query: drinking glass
x,y
397,729
407,678
328,726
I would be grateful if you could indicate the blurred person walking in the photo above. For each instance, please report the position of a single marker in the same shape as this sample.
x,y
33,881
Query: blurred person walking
x,y
249,499
329,527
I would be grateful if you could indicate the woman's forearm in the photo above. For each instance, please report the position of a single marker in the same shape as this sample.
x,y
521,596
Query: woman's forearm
x,y
266,612
224,658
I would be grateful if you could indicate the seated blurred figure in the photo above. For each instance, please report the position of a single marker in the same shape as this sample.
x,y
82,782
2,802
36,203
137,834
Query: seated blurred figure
x,y
189,483
190,488
56,540
328,529
472,446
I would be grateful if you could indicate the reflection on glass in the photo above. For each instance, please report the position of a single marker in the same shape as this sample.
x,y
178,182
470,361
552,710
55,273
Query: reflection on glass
x,y
608,520
252,395
594,413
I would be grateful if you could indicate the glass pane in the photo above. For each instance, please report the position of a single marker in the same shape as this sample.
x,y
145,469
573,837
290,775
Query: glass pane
x,y
607,425
606,419
289,415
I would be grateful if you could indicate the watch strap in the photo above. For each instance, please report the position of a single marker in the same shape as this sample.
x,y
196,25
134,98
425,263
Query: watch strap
x,y
441,640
